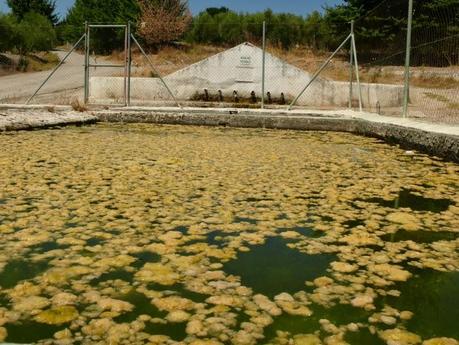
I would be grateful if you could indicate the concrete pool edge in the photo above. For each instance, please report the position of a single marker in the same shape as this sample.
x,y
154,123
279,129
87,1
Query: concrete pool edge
x,y
14,119
434,139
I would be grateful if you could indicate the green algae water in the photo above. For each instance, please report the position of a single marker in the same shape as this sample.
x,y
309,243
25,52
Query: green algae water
x,y
141,234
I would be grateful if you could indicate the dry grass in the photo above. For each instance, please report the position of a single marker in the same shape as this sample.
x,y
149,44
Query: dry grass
x,y
77,105
37,62
171,59
42,61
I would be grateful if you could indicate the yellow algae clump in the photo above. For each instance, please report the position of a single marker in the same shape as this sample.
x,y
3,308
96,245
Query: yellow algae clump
x,y
173,303
61,275
343,267
391,272
409,221
64,298
31,303
441,341
306,339
290,234
323,281
57,315
399,337
3,333
362,301
114,305
157,273
177,316
117,261
205,342
98,327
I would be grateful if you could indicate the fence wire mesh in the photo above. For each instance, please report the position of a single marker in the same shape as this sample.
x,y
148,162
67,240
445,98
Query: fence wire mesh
x,y
241,74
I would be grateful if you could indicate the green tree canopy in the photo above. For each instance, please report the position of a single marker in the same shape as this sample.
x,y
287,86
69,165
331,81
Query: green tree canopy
x,y
99,11
47,8
7,32
35,33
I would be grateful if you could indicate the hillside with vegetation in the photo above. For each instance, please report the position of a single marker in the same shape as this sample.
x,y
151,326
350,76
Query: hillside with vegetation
x,y
33,26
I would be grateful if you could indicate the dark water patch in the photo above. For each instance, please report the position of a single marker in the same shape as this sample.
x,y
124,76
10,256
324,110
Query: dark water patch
x,y
407,199
327,218
18,270
305,231
176,331
142,306
420,236
341,314
113,275
433,297
273,268
29,331
4,301
353,223
363,336
253,199
245,220
179,290
94,241
145,257
182,229
47,246
215,238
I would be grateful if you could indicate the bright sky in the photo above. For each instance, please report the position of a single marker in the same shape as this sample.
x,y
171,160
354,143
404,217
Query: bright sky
x,y
301,7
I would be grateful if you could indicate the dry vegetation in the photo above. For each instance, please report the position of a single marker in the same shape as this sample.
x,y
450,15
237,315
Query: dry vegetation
x,y
37,62
171,59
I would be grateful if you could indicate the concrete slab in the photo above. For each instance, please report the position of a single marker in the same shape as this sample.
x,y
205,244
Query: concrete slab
x,y
25,119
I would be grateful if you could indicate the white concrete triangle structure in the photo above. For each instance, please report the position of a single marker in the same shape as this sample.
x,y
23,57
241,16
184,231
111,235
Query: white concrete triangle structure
x,y
240,69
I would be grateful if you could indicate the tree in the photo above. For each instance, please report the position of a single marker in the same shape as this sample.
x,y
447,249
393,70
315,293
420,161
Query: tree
x,y
100,11
7,33
35,33
381,30
216,10
46,8
163,21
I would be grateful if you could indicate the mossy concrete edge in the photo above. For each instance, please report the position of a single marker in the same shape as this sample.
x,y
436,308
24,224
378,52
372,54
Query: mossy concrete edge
x,y
438,144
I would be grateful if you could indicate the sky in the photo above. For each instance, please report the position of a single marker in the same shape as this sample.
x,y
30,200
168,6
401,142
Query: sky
x,y
301,7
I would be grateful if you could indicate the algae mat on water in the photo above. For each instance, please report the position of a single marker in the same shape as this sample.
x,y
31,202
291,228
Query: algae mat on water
x,y
137,234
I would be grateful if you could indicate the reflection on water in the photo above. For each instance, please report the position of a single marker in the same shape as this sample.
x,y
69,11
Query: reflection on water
x,y
407,198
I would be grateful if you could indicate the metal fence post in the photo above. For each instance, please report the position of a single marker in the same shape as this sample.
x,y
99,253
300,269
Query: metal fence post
x,y
129,65
86,64
125,64
357,73
351,64
263,68
406,93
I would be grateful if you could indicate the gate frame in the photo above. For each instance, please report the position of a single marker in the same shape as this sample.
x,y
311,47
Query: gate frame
x,y
127,59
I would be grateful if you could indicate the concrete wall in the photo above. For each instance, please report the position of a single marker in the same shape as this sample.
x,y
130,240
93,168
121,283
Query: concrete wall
x,y
239,69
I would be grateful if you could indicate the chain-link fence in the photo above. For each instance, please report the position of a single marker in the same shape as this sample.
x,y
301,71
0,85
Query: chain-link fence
x,y
264,65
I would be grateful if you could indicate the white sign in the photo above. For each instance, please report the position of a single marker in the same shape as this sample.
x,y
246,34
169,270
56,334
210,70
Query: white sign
x,y
246,60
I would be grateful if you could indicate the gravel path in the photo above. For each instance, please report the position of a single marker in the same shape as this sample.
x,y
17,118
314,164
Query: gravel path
x,y
65,84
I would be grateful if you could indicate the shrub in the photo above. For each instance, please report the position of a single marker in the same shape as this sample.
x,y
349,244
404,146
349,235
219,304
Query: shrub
x,y
35,33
